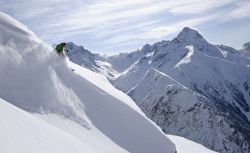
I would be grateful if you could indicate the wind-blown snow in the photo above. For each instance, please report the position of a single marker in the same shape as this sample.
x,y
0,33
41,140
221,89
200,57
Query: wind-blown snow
x,y
29,74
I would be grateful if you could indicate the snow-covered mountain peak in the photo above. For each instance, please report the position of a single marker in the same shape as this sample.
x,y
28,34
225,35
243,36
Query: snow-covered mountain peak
x,y
188,32
219,73
177,48
189,36
192,37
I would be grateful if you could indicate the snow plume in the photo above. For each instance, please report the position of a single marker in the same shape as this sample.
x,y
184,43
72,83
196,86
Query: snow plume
x,y
28,76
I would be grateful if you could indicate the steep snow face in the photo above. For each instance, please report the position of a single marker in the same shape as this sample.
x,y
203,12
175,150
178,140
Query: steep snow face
x,y
182,144
211,71
22,133
34,78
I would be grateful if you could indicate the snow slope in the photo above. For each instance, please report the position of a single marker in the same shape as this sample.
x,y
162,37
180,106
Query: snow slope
x,y
117,118
182,145
22,132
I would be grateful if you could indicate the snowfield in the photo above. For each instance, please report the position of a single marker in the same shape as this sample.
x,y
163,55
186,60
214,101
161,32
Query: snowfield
x,y
22,132
73,111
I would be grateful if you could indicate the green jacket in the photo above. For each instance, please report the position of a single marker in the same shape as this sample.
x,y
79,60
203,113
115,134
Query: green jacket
x,y
60,47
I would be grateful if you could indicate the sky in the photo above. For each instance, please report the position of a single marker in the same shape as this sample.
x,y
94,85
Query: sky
x,y
113,26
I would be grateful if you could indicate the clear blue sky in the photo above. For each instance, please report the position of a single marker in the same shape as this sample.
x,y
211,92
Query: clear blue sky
x,y
111,26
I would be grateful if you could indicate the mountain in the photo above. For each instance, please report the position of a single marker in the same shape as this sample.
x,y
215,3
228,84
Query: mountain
x,y
85,58
122,61
179,110
216,112
190,87
50,104
109,66
233,55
